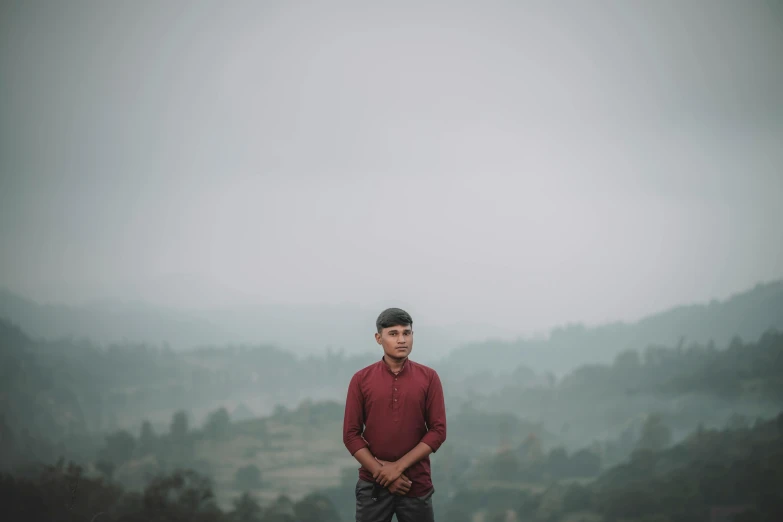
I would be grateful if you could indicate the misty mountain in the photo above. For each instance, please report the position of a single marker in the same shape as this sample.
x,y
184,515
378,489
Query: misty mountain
x,y
300,329
747,315
107,322
311,329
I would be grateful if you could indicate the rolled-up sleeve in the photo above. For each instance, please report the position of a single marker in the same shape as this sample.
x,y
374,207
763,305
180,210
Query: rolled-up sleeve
x,y
353,421
436,414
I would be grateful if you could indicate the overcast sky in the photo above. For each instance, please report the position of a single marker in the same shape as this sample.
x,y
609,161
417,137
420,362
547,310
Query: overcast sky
x,y
522,164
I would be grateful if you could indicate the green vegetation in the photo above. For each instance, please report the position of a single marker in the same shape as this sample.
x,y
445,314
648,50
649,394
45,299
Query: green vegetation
x,y
67,493
711,470
654,434
684,386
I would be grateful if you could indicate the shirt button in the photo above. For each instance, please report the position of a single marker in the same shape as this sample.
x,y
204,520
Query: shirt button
x,y
395,400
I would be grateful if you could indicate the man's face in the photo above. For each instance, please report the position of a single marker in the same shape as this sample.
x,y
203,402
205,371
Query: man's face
x,y
397,341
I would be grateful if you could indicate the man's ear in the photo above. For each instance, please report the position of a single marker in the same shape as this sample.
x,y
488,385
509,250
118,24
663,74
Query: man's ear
x,y
377,337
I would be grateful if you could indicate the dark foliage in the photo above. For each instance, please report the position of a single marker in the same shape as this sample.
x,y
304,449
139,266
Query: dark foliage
x,y
61,493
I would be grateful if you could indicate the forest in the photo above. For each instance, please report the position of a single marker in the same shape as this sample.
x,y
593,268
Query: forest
x,y
688,432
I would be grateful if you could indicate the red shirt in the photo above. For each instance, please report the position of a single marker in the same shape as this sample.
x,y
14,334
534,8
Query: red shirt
x,y
390,414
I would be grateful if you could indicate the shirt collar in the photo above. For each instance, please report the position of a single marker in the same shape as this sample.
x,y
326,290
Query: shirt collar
x,y
404,364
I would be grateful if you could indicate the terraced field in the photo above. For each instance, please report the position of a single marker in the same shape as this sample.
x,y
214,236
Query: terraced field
x,y
293,460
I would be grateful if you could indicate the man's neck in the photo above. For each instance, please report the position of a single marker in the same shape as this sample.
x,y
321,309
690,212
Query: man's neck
x,y
395,364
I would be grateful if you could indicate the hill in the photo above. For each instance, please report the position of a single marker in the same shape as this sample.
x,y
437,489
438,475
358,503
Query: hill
x,y
110,322
64,386
712,475
300,329
311,329
686,385
747,315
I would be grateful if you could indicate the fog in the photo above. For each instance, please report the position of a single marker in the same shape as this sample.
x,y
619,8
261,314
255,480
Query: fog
x,y
204,206
514,165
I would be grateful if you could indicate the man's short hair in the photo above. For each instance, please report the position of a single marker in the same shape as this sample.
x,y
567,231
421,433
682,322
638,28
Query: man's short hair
x,y
393,317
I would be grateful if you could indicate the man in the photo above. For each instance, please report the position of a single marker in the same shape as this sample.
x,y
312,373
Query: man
x,y
395,417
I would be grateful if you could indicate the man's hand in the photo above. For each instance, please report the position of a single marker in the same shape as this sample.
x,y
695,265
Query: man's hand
x,y
387,474
401,486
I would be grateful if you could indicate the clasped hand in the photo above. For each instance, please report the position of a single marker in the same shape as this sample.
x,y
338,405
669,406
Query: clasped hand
x,y
391,475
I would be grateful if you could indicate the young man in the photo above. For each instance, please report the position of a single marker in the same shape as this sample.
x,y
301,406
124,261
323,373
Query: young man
x,y
395,417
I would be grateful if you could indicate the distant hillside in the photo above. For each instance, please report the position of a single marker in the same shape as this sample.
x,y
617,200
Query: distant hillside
x,y
747,315
109,322
71,387
301,329
716,475
311,329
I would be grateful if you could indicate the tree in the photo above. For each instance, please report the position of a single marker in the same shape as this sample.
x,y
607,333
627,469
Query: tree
x,y
246,509
557,463
248,477
183,496
585,463
179,425
106,467
262,434
8,452
282,510
180,446
655,436
218,425
577,498
505,466
119,448
316,508
147,439
530,451
56,492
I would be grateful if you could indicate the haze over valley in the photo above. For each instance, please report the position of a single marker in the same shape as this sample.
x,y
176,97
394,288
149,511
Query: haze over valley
x,y
205,206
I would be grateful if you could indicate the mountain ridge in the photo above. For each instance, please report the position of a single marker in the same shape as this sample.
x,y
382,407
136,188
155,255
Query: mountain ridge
x,y
747,315
307,330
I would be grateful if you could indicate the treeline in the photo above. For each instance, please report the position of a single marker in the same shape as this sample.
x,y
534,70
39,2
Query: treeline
x,y
748,314
161,452
60,493
685,385
175,448
66,392
89,384
530,462
753,370
731,473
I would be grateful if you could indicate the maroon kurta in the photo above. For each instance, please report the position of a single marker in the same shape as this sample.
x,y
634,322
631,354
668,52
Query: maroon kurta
x,y
390,414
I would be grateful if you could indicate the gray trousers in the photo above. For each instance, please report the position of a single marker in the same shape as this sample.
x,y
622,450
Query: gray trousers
x,y
407,509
